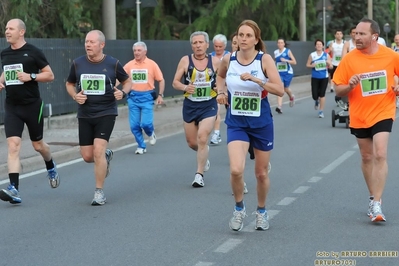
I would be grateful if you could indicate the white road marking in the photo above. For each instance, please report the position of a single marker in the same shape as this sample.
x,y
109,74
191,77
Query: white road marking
x,y
286,201
315,179
337,162
301,189
229,245
203,263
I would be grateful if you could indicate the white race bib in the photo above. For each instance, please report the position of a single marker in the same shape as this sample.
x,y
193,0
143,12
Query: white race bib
x,y
10,74
202,92
373,83
320,65
245,103
282,66
93,84
139,75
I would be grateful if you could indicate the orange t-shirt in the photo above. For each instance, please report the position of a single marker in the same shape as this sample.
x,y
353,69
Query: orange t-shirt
x,y
373,99
143,74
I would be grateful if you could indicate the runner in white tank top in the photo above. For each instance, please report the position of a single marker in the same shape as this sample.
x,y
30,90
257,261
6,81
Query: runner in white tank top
x,y
336,48
351,44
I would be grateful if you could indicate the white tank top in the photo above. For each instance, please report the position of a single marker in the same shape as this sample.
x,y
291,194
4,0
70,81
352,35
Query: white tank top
x,y
351,45
337,52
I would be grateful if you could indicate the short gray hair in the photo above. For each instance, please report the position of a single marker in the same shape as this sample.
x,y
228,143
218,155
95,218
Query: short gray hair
x,y
142,44
199,33
221,38
101,36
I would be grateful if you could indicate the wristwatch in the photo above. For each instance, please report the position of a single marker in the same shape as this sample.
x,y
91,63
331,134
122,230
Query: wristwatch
x,y
161,94
33,76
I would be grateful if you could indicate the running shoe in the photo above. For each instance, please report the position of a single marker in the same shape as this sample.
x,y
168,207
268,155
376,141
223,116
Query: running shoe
x,y
245,188
278,110
10,194
198,180
370,210
237,222
99,198
261,220
376,212
153,139
321,114
316,105
208,163
292,100
215,139
53,177
108,156
140,151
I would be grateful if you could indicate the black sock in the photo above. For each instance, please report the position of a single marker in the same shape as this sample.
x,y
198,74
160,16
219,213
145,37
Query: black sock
x,y
200,174
49,164
240,204
14,179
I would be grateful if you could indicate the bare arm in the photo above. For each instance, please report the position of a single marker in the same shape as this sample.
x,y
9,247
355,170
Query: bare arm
x,y
46,74
2,81
309,62
274,85
293,60
70,87
221,80
180,71
344,89
345,49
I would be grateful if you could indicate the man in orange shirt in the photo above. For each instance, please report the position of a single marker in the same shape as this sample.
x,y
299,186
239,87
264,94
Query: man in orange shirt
x,y
366,76
143,72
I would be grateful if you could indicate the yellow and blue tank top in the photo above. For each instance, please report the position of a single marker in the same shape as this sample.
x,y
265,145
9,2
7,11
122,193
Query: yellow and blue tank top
x,y
204,81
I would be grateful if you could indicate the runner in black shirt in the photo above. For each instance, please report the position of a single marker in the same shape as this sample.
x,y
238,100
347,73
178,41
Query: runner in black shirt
x,y
91,83
24,65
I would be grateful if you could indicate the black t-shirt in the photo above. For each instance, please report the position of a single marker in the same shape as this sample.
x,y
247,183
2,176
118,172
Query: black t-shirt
x,y
97,79
28,59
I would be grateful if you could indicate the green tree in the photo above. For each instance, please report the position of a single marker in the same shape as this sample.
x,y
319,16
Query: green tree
x,y
44,18
346,14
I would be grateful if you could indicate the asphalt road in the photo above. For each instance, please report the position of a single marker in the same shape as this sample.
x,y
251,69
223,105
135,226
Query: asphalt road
x,y
317,203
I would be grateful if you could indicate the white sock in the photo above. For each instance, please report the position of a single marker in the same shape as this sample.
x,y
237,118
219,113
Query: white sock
x,y
216,131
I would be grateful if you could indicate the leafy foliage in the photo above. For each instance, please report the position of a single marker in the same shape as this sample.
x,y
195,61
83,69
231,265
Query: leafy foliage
x,y
177,19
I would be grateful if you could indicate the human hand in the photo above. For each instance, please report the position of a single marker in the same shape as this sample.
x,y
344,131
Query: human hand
x,y
246,76
222,98
354,81
80,98
190,88
395,89
23,77
118,94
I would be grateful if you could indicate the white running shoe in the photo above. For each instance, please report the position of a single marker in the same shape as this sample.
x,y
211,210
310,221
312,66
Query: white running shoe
x,y
237,222
198,181
140,151
215,139
261,221
153,139
376,212
292,101
207,165
99,198
245,188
